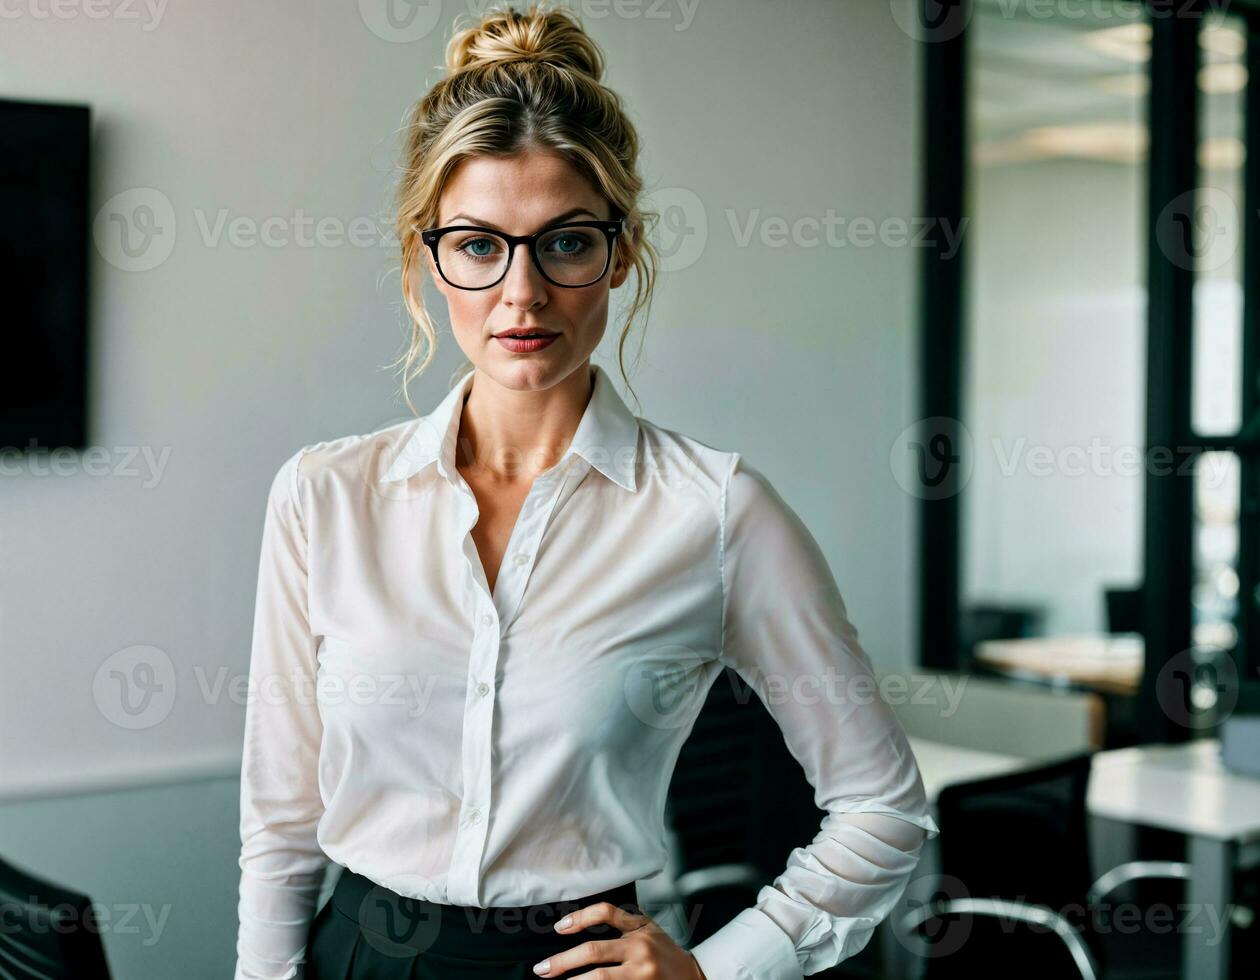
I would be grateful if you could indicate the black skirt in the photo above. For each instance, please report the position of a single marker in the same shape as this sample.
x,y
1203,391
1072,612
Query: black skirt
x,y
369,932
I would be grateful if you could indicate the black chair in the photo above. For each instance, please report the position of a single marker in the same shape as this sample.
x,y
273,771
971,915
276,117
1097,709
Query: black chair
x,y
50,932
737,805
1017,892
1014,855
981,622
1124,609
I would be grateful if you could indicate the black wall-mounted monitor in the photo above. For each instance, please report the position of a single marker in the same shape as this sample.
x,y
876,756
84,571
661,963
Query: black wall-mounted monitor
x,y
44,229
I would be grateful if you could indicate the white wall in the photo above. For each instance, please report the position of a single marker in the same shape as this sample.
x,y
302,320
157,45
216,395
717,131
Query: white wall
x,y
222,359
1055,387
1056,365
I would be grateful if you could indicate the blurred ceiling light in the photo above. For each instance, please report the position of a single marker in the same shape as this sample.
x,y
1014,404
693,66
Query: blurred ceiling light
x,y
1220,636
1225,76
1120,141
1225,41
996,152
1225,153
1128,42
1135,84
1111,142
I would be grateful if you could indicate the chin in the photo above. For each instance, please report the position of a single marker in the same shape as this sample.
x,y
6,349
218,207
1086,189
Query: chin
x,y
522,372
532,372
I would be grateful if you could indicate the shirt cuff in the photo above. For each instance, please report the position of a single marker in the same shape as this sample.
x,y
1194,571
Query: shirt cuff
x,y
749,947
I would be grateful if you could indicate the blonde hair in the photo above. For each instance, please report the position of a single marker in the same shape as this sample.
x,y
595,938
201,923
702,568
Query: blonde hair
x,y
517,82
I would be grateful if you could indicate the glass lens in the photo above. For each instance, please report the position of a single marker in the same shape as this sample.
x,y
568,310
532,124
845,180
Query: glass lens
x,y
573,256
472,259
570,256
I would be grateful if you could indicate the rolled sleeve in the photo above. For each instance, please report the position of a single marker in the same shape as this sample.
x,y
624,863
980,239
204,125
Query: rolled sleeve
x,y
787,633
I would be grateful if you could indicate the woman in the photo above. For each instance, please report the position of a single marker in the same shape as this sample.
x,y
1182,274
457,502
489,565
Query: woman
x,y
514,607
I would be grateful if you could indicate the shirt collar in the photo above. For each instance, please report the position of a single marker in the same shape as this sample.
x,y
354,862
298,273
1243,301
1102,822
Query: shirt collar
x,y
607,437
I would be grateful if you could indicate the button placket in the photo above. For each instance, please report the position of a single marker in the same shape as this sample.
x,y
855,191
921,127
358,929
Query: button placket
x,y
536,510
508,583
488,638
470,836
527,536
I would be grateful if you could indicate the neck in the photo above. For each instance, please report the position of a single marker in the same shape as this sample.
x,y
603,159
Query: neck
x,y
511,436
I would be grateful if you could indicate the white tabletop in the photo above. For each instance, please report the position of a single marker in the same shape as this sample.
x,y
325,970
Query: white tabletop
x,y
941,764
1182,787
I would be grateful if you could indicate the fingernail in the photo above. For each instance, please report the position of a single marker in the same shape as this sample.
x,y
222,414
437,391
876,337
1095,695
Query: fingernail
x,y
542,967
565,922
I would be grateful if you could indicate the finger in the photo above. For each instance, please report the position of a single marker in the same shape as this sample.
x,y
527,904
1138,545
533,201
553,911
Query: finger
x,y
605,913
600,952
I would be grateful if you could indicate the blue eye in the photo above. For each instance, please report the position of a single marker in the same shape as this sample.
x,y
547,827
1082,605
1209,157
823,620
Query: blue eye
x,y
479,247
568,244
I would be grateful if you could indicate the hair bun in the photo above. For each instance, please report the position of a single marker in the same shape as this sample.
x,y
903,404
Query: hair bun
x,y
553,36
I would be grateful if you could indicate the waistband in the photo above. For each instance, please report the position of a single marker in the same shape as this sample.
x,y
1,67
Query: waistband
x,y
400,925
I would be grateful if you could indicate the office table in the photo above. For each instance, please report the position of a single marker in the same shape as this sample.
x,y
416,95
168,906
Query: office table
x,y
941,764
1111,664
1185,788
1179,787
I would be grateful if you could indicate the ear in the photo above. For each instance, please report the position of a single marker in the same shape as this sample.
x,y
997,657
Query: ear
x,y
621,264
621,269
431,267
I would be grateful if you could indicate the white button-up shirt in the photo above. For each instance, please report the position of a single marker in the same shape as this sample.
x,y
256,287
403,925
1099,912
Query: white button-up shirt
x,y
511,747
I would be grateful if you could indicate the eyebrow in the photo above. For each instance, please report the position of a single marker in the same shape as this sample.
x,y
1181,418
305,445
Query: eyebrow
x,y
571,213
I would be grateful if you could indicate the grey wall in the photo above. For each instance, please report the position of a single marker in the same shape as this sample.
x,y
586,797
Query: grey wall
x,y
219,360
158,862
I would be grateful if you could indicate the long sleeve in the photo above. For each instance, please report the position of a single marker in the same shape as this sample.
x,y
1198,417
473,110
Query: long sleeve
x,y
282,865
786,632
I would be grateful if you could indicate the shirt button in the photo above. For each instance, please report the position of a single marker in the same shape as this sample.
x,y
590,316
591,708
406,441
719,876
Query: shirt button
x,y
474,816
486,619
522,559
483,688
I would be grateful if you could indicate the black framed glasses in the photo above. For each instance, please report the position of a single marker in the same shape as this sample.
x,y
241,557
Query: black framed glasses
x,y
572,255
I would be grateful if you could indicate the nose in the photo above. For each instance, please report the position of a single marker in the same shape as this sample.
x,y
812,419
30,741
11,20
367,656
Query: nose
x,y
523,285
